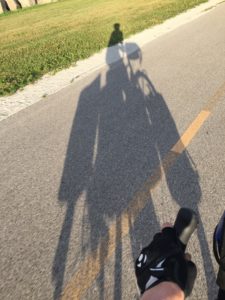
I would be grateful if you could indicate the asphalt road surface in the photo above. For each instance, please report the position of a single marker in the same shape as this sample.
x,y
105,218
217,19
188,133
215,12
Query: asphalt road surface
x,y
88,175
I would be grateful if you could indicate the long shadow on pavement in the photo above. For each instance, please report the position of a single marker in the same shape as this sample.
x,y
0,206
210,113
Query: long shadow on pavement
x,y
122,130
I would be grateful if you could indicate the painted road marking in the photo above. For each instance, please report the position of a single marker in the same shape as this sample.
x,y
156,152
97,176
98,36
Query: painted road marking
x,y
190,132
91,266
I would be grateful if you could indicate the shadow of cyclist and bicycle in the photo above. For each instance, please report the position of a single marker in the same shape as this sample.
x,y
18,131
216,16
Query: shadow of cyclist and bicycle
x,y
120,134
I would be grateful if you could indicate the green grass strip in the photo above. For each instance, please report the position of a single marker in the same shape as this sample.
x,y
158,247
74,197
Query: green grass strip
x,y
51,37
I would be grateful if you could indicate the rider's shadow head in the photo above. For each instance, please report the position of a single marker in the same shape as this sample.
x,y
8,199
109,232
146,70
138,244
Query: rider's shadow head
x,y
116,26
116,36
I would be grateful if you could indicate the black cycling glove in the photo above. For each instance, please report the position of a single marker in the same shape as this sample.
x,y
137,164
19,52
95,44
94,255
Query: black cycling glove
x,y
163,260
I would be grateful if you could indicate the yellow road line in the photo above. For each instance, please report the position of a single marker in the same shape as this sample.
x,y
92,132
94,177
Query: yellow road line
x,y
190,132
91,265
